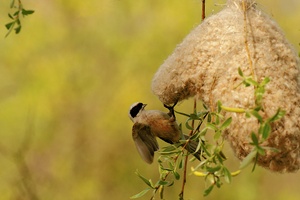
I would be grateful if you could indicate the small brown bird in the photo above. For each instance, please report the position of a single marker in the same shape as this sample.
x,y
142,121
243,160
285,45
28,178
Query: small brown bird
x,y
149,124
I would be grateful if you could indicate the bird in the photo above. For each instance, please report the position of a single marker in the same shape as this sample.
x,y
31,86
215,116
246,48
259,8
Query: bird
x,y
149,124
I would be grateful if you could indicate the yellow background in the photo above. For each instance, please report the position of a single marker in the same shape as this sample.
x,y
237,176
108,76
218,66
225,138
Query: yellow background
x,y
66,84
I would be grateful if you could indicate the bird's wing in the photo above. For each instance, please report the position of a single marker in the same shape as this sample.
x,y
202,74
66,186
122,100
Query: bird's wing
x,y
145,141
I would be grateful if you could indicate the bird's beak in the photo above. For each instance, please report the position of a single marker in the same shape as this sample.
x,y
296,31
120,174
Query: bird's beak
x,y
144,105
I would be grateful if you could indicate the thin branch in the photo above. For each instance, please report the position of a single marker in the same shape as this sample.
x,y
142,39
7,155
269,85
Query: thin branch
x,y
203,10
246,40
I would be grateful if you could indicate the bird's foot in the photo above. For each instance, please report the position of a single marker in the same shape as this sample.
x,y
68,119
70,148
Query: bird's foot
x,y
171,109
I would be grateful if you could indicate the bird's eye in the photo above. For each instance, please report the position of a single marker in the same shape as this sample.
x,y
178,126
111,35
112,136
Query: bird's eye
x,y
136,109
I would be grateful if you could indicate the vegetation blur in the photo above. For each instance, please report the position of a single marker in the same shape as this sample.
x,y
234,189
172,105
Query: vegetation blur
x,y
67,81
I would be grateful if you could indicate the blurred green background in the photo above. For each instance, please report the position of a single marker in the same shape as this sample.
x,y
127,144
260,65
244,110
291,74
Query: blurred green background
x,y
66,84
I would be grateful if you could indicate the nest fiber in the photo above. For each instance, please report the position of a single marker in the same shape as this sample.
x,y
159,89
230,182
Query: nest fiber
x,y
206,65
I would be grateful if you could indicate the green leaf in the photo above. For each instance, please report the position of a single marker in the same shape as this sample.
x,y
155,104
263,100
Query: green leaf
x,y
148,182
169,148
265,81
259,92
257,108
260,150
167,169
180,164
246,84
209,117
142,193
27,12
257,116
240,72
12,4
11,17
161,182
255,162
222,155
9,25
194,116
218,183
161,192
213,169
250,81
211,126
227,175
208,190
254,139
247,115
18,29
219,104
16,13
272,149
217,134
266,131
18,21
278,115
176,175
248,159
188,126
226,123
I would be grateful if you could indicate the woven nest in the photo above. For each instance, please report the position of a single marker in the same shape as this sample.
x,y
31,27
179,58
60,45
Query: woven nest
x,y
206,65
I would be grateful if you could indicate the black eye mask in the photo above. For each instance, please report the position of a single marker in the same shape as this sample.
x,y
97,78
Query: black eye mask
x,y
136,109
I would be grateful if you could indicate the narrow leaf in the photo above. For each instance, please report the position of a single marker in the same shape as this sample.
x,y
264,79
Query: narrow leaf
x,y
260,150
254,139
211,126
142,193
226,123
248,159
217,135
227,175
235,173
27,12
208,190
177,175
169,148
255,162
266,131
219,104
188,126
257,116
278,115
18,29
250,81
161,182
240,72
11,17
16,13
194,116
12,4
180,164
148,182
213,169
9,25
161,192
209,117
265,81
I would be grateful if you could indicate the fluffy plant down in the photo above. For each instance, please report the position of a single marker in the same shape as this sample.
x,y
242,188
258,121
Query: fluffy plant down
x,y
206,65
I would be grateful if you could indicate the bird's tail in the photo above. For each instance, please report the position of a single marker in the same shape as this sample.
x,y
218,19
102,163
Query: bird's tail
x,y
191,147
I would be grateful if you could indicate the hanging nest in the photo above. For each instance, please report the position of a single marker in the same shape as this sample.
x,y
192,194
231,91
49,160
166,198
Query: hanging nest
x,y
206,65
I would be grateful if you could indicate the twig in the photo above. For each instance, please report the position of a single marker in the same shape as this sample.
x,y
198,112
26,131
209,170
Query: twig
x,y
246,40
187,156
203,10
